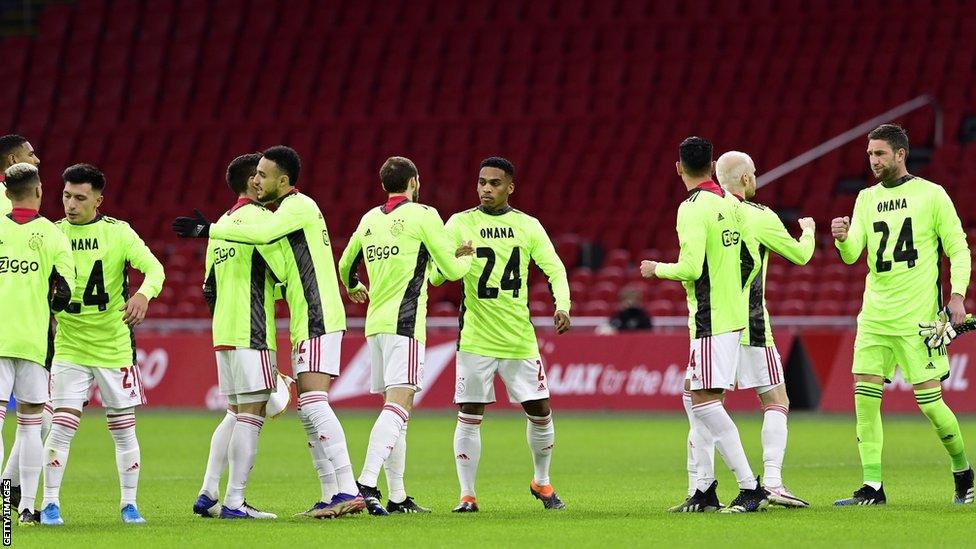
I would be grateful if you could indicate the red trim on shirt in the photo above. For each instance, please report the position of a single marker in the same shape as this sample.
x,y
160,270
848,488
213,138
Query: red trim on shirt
x,y
741,198
224,347
23,215
711,187
241,202
393,202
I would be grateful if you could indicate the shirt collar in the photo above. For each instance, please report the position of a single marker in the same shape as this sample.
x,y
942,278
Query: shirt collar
x,y
711,187
393,202
241,202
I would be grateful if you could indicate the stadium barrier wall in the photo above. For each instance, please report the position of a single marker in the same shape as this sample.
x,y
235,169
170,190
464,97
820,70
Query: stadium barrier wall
x,y
641,371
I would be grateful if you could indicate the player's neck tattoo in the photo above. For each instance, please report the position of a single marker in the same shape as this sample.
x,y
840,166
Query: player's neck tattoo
x,y
495,211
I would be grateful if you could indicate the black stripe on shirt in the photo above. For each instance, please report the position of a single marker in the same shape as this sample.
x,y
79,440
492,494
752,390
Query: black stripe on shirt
x,y
703,314
125,299
461,312
259,316
354,268
310,285
407,318
757,313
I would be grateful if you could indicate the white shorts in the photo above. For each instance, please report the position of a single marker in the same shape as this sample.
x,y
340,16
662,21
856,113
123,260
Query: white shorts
x,y
395,360
117,387
319,355
525,379
759,367
27,380
241,371
714,361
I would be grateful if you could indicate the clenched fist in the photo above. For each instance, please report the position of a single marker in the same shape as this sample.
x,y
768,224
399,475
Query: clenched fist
x,y
839,227
807,223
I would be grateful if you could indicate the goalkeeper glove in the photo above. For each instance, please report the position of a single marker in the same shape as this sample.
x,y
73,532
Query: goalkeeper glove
x,y
192,227
938,333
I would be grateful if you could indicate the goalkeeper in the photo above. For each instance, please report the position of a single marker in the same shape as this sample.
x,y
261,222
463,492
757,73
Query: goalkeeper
x,y
905,223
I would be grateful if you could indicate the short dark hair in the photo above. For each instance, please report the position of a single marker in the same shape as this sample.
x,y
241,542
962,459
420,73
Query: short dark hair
x,y
696,156
893,134
20,179
287,160
10,142
396,173
501,163
240,170
85,173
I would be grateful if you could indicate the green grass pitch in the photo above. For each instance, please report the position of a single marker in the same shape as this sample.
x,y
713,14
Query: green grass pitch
x,y
617,473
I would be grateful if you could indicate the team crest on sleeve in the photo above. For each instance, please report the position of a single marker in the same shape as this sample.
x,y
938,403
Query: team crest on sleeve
x,y
35,241
397,228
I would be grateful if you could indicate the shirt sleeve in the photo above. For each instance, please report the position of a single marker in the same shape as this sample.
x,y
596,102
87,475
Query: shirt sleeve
x,y
288,218
63,273
274,256
773,234
692,232
949,229
441,247
351,258
209,280
142,259
850,249
544,255
453,229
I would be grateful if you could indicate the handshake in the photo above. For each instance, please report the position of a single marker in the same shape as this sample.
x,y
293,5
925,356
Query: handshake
x,y
942,331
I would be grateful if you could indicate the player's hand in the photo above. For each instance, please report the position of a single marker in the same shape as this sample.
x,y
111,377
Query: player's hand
x,y
561,321
359,294
648,269
938,333
135,310
839,227
192,227
465,249
957,308
807,223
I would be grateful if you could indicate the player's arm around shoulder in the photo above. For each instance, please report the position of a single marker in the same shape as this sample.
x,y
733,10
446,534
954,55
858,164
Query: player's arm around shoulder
x,y
692,226
441,246
62,268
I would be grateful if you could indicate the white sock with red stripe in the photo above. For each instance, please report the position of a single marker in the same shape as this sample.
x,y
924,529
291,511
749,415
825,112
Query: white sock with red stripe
x,y
11,471
31,457
323,467
217,459
774,435
701,451
395,466
331,438
541,434
46,417
241,454
3,415
128,460
56,448
467,451
713,416
382,440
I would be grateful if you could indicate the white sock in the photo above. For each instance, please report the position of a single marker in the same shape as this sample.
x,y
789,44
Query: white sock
x,y
395,466
541,434
11,471
31,457
241,453
46,417
467,451
323,467
128,460
217,459
716,420
331,437
56,448
3,415
774,434
701,451
382,439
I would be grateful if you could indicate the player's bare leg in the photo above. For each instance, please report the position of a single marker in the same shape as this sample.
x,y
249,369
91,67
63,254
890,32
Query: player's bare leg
x,y
776,408
467,453
541,435
386,432
313,402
